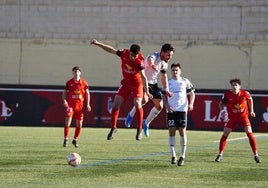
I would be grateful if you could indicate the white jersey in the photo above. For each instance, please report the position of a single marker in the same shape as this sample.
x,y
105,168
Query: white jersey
x,y
179,88
152,74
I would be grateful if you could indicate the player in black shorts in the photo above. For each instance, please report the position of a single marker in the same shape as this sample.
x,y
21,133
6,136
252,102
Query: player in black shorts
x,y
177,107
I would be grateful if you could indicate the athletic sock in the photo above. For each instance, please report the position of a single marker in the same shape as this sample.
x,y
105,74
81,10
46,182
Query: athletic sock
x,y
139,117
183,143
253,143
172,145
66,131
114,117
132,111
77,132
222,144
153,114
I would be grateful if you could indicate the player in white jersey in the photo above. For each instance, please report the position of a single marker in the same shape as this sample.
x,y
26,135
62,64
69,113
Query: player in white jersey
x,y
155,63
177,107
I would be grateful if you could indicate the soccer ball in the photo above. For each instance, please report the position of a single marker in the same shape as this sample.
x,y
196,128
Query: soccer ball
x,y
74,159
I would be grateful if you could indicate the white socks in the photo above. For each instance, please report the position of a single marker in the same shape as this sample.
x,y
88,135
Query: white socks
x,y
153,113
172,144
183,143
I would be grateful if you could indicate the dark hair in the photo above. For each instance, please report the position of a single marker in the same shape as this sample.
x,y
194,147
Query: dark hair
x,y
76,68
167,47
135,49
175,65
235,80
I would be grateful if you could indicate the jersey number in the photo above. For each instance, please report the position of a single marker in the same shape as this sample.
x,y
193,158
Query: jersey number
x,y
171,123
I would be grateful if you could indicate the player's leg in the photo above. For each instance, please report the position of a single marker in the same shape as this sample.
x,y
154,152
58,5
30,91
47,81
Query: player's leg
x,y
130,116
158,106
182,124
132,112
67,124
223,143
172,144
252,142
77,132
183,144
118,100
172,139
139,111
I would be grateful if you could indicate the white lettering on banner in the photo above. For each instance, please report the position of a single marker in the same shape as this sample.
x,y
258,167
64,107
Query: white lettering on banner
x,y
208,113
6,112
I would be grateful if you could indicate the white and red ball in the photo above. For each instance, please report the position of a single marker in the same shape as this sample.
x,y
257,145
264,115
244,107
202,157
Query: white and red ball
x,y
74,159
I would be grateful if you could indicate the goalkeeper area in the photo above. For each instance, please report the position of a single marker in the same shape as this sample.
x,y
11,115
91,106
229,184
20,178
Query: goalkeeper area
x,y
34,157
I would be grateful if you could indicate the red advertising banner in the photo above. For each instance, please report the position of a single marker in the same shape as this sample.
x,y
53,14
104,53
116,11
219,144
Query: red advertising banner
x,y
43,107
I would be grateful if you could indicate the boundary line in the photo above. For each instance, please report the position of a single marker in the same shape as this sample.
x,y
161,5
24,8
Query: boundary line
x,y
157,154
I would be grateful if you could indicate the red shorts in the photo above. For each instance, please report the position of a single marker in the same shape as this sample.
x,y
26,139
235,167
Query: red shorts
x,y
232,123
136,91
75,111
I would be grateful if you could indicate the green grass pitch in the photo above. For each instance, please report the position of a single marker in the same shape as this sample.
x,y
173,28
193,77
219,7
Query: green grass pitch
x,y
34,157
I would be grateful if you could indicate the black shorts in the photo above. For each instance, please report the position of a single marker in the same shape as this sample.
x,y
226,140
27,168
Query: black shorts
x,y
177,119
155,91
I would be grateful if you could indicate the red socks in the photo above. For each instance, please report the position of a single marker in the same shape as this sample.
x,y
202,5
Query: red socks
x,y
114,117
252,142
223,143
139,113
66,131
77,132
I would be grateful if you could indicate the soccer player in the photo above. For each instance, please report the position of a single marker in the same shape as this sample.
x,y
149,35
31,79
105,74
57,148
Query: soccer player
x,y
155,63
177,107
239,105
133,83
74,95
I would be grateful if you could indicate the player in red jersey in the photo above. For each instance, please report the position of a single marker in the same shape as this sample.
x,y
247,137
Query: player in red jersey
x,y
239,105
75,93
133,83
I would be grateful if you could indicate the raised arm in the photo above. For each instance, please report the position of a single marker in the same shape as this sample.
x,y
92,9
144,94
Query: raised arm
x,y
105,47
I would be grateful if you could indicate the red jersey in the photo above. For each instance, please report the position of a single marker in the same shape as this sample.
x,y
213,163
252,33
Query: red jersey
x,y
131,68
75,91
237,104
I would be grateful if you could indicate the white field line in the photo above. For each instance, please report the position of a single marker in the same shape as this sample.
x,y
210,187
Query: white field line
x,y
242,138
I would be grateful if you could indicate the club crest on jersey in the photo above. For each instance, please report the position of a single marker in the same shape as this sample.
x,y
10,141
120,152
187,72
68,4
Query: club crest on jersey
x,y
77,94
238,108
129,69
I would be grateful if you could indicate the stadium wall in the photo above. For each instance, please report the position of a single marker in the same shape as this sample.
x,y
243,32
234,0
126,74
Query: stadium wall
x,y
208,64
40,40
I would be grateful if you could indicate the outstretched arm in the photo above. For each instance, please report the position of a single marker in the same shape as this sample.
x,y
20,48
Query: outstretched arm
x,y
105,47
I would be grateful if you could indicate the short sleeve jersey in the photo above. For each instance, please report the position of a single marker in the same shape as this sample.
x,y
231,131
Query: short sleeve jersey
x,y
76,90
152,74
131,68
179,88
237,106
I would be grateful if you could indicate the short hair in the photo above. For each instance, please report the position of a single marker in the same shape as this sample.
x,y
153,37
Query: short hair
x,y
76,68
175,65
167,47
235,80
135,49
